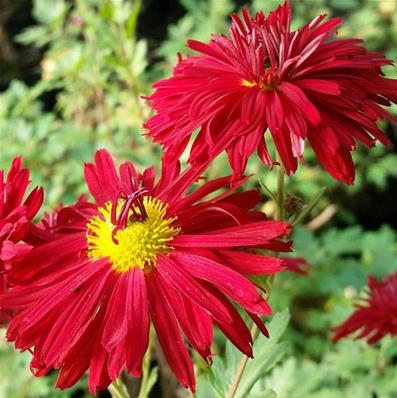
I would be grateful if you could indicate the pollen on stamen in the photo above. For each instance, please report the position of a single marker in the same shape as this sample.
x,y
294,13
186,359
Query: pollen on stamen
x,y
266,82
136,245
248,83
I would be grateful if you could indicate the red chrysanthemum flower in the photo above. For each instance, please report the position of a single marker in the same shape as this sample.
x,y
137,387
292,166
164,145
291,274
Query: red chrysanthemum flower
x,y
303,84
377,316
15,217
85,294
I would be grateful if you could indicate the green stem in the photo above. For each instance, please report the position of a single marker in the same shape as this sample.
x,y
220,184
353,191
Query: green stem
x,y
280,193
117,389
143,393
254,330
241,366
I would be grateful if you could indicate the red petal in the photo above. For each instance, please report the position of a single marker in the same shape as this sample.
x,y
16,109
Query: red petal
x,y
168,332
298,97
115,328
254,234
102,179
191,288
319,85
137,339
251,264
236,331
231,283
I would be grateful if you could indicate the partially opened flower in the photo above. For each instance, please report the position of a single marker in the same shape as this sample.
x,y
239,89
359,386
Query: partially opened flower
x,y
143,250
15,217
301,85
376,316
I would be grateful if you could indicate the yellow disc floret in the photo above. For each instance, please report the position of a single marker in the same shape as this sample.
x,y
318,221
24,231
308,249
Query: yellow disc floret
x,y
268,81
248,83
139,243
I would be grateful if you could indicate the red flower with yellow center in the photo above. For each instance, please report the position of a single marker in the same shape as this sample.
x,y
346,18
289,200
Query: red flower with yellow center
x,y
303,85
99,272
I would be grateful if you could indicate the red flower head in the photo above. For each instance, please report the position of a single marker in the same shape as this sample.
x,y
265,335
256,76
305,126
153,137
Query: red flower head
x,y
377,316
303,84
142,251
15,218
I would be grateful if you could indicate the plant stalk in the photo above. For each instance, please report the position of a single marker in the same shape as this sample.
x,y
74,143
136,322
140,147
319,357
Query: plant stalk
x,y
143,393
254,330
241,366
280,193
117,389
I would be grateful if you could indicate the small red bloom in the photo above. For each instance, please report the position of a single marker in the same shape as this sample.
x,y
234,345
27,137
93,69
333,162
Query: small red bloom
x,y
377,316
143,251
301,85
15,218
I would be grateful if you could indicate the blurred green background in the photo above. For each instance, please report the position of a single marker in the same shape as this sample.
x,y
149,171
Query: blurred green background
x,y
72,77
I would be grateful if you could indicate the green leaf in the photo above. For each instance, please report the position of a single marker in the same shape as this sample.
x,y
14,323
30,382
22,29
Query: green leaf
x,y
340,242
47,11
266,354
139,61
153,376
107,10
264,394
37,35
379,171
133,18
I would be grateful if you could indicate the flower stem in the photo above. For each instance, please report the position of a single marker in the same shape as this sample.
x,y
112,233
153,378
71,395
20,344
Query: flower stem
x,y
254,330
117,389
280,193
143,391
241,366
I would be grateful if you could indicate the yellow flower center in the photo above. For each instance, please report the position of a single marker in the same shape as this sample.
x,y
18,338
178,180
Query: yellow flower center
x,y
248,83
266,82
136,245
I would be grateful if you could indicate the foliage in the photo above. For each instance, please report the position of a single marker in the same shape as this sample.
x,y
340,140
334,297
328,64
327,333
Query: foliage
x,y
202,17
267,354
96,65
97,69
24,385
340,262
351,370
